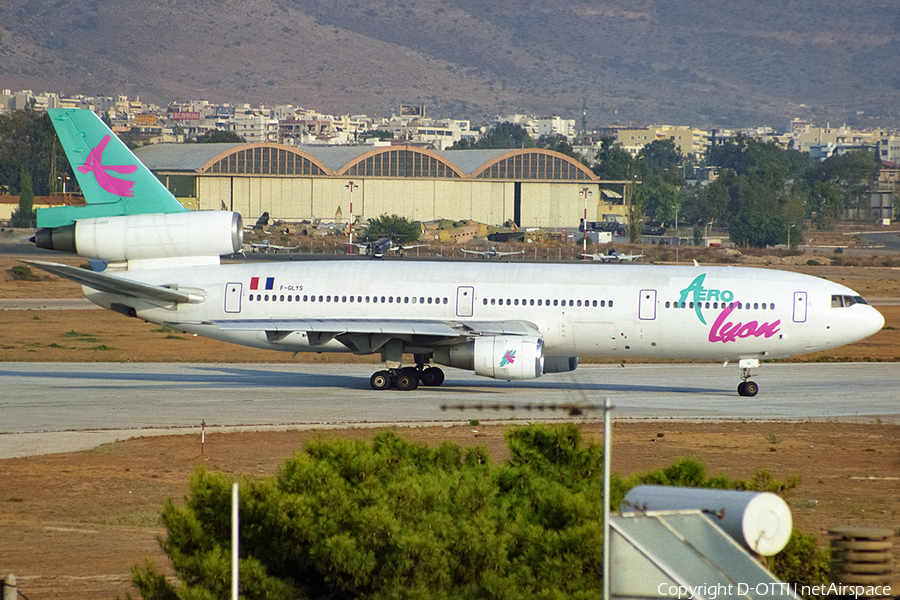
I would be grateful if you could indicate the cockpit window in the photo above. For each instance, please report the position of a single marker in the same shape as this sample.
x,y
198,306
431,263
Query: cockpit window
x,y
845,301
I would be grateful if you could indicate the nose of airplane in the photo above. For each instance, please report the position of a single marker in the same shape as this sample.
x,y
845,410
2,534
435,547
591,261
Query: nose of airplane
x,y
873,322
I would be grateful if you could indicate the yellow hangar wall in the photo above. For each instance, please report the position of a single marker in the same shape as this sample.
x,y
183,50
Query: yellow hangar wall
x,y
542,204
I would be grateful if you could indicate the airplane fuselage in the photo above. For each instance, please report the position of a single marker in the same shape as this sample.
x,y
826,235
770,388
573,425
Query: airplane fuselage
x,y
627,311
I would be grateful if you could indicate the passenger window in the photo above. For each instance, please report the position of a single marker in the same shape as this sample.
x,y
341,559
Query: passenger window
x,y
603,304
555,302
755,305
579,303
289,298
667,304
610,303
267,297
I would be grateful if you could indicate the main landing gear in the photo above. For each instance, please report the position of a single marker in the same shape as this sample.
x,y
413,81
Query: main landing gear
x,y
747,387
406,378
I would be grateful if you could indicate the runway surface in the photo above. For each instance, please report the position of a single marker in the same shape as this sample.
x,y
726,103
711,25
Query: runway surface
x,y
59,407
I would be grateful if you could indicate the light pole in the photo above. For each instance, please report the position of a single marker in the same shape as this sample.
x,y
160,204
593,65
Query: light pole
x,y
351,186
587,192
706,235
64,179
789,235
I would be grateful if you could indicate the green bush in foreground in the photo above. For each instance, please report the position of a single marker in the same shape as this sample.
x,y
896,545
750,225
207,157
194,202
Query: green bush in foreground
x,y
392,519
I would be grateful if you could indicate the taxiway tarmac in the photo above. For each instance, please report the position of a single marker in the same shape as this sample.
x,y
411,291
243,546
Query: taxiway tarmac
x,y
59,407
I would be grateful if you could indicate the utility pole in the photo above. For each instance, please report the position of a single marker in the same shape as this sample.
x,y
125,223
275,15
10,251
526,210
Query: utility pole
x,y
351,186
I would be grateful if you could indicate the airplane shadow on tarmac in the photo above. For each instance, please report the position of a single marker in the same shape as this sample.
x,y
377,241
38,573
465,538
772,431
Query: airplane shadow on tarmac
x,y
237,377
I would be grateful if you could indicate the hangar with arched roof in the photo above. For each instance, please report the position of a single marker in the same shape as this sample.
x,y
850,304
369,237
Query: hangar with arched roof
x,y
531,187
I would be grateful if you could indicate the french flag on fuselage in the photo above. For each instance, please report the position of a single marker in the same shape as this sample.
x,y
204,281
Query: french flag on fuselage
x,y
254,283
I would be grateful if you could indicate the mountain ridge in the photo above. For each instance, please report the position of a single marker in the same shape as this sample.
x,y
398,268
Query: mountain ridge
x,y
706,63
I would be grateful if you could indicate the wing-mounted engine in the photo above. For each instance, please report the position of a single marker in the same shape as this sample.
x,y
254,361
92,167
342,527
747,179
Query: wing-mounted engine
x,y
560,364
148,237
499,356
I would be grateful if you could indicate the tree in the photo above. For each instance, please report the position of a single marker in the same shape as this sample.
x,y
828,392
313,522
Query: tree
x,y
825,204
403,229
558,143
855,173
392,519
662,199
501,135
217,136
612,162
27,139
380,134
24,216
662,158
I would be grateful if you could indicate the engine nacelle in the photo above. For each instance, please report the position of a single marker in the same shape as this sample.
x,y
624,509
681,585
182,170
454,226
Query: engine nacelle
x,y
560,364
141,237
501,356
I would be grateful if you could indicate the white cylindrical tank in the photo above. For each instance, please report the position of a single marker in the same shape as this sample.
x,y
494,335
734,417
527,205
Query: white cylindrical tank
x,y
759,521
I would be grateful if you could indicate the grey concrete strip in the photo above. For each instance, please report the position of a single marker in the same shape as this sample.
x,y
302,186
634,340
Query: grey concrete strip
x,y
47,304
64,402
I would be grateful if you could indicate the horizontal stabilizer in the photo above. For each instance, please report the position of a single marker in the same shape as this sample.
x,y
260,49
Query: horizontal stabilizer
x,y
116,285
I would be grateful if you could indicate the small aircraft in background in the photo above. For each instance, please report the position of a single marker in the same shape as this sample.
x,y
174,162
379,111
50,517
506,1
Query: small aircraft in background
x,y
266,246
377,248
613,256
492,253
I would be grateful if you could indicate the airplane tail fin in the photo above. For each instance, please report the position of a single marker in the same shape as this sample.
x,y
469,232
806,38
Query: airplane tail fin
x,y
112,179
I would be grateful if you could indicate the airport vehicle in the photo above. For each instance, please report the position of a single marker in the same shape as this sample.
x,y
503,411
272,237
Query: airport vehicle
x,y
491,253
613,257
154,260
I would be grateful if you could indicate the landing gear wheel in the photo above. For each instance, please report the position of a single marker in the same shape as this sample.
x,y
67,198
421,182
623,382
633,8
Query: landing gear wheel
x,y
381,380
406,381
748,388
432,376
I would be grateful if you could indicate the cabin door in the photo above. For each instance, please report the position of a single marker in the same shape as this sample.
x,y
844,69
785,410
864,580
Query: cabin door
x,y
799,307
233,297
647,305
465,301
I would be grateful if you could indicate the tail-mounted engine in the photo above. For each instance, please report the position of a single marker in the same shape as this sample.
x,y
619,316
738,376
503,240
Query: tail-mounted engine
x,y
501,357
142,237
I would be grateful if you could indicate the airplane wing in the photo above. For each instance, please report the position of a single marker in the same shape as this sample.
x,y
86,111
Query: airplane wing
x,y
365,336
396,248
510,253
475,252
116,285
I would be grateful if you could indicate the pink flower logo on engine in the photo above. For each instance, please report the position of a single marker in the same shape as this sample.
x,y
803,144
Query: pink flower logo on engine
x,y
113,185
508,358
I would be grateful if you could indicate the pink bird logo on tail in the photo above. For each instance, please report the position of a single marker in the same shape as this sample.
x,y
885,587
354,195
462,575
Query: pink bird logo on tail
x,y
113,185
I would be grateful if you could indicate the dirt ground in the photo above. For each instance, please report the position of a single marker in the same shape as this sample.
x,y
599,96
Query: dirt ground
x,y
74,524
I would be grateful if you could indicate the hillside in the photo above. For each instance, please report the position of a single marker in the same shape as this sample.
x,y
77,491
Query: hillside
x,y
697,62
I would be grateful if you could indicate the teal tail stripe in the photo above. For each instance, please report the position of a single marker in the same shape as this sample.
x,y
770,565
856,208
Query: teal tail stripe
x,y
112,179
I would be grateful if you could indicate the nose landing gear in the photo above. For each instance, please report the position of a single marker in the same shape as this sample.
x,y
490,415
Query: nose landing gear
x,y
747,387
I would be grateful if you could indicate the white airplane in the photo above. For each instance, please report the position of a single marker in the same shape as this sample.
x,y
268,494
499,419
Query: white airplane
x,y
266,246
507,321
613,256
492,253
378,248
